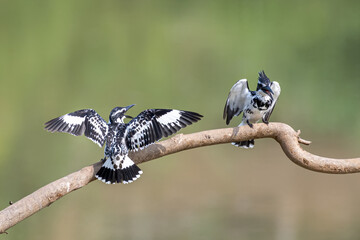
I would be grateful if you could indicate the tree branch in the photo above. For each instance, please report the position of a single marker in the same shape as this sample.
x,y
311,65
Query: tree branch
x,y
282,133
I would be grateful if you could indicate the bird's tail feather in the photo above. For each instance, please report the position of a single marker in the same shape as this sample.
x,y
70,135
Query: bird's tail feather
x,y
244,144
111,172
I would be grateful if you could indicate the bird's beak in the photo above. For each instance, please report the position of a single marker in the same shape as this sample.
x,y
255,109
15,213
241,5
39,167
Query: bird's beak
x,y
130,106
268,90
127,116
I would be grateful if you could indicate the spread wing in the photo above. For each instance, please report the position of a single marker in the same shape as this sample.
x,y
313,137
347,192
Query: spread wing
x,y
275,87
153,124
85,121
235,102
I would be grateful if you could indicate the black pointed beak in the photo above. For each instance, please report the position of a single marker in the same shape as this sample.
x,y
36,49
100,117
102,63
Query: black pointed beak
x,y
130,106
127,116
268,90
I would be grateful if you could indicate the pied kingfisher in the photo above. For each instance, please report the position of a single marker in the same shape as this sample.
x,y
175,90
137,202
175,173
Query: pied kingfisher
x,y
254,105
120,138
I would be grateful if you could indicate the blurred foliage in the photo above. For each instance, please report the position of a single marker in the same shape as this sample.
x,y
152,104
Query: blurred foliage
x,y
61,56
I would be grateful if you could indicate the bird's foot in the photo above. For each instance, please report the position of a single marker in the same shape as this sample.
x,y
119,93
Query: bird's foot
x,y
250,124
103,160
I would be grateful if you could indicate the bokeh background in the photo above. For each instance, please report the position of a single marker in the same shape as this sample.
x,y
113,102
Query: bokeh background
x,y
60,56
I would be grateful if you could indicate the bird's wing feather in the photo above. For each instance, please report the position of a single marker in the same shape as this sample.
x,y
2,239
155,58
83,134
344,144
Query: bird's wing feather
x,y
153,124
275,87
235,102
85,121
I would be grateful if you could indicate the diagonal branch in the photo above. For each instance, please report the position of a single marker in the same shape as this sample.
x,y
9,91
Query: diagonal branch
x,y
282,133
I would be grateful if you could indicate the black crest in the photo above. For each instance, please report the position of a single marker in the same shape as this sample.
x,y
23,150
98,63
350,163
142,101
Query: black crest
x,y
263,80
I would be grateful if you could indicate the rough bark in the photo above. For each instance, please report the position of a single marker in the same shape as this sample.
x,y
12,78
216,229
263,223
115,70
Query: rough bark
x,y
288,139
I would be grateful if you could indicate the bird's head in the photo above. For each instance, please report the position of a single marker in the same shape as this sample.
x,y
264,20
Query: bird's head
x,y
264,84
117,115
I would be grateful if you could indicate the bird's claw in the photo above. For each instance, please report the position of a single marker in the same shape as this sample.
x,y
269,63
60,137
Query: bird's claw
x,y
250,124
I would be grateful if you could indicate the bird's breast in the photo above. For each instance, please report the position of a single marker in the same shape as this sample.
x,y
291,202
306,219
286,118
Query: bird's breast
x,y
254,115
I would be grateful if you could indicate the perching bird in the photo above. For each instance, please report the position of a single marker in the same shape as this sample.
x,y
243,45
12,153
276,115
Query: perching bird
x,y
120,138
254,105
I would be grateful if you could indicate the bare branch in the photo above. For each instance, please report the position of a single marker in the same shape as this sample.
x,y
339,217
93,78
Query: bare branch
x,y
282,133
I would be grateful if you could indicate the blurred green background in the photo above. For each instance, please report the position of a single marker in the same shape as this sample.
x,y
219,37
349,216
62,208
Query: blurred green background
x,y
60,56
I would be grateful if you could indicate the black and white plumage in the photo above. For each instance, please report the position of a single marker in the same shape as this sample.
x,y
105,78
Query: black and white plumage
x,y
120,138
254,105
